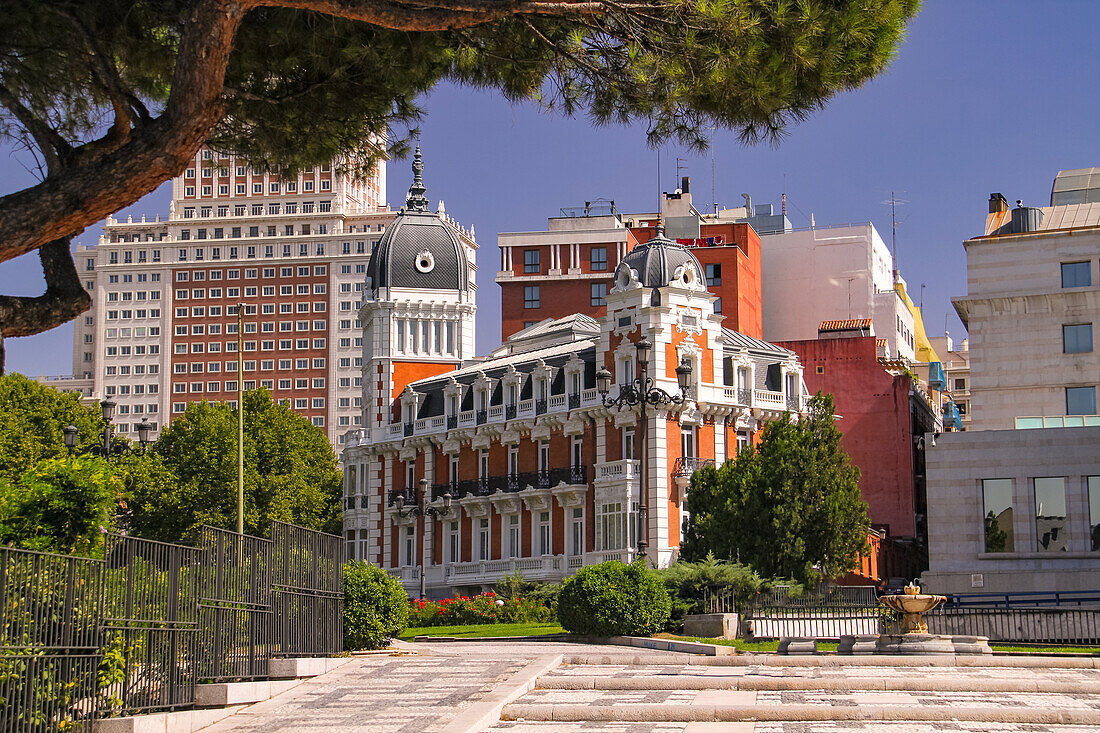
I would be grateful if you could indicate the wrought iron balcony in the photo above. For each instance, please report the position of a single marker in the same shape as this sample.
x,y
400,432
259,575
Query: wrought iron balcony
x,y
509,412
688,465
482,417
408,429
540,407
438,490
452,422
409,497
794,403
574,401
744,396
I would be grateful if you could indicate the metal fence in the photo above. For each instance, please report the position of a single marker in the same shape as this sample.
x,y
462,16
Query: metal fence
x,y
52,608
1028,625
136,631
826,612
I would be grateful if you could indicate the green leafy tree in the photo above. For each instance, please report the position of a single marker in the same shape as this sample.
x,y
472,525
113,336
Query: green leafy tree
x,y
32,417
376,607
190,477
996,538
789,507
61,505
114,97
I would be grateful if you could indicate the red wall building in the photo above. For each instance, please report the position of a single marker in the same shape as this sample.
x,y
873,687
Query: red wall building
x,y
881,419
574,270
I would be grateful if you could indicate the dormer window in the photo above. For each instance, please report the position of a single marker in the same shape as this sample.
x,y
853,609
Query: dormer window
x,y
575,383
513,395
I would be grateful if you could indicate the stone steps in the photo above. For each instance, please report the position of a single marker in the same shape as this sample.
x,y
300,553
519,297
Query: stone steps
x,y
777,694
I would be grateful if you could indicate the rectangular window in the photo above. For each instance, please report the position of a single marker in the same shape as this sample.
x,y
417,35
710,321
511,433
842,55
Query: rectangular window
x,y
598,259
452,542
997,507
544,534
1080,400
531,261
1077,339
1094,512
599,293
611,527
577,532
1076,274
513,535
531,296
714,274
1050,514
483,539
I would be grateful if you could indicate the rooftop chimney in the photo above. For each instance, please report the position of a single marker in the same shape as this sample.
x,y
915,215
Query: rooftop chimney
x,y
997,203
685,184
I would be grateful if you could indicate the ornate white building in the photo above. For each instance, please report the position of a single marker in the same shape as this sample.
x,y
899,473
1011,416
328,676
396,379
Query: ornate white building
x,y
541,477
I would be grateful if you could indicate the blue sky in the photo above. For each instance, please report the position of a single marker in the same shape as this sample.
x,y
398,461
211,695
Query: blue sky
x,y
983,97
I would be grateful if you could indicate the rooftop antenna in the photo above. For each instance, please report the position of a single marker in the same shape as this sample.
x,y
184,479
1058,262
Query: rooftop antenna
x,y
894,203
676,183
658,184
713,196
783,206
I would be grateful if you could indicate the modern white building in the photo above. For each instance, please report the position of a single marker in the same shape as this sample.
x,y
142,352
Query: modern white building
x,y
162,330
836,273
1014,502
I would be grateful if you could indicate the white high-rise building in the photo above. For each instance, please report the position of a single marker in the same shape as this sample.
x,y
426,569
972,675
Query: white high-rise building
x,y
162,330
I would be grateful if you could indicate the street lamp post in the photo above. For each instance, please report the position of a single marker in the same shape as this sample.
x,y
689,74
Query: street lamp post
x,y
422,506
104,448
642,392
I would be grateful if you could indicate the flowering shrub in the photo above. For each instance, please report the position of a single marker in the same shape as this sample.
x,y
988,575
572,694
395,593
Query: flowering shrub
x,y
486,608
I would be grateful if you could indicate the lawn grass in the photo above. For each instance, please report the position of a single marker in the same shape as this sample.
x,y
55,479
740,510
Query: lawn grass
x,y
1087,650
478,631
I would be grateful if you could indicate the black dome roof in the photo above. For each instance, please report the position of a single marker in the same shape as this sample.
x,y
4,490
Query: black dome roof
x,y
418,250
656,260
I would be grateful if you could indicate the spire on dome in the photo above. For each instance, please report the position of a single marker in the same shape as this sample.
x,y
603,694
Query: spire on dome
x,y
416,200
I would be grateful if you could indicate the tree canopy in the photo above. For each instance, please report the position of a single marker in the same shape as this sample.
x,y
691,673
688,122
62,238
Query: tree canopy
x,y
788,507
116,96
189,477
32,417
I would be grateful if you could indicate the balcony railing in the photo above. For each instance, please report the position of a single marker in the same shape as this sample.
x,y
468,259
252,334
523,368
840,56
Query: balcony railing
x,y
760,398
687,465
438,490
615,470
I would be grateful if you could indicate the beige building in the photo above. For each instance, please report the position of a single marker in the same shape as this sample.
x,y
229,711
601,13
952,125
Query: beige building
x,y
162,330
1014,502
1033,299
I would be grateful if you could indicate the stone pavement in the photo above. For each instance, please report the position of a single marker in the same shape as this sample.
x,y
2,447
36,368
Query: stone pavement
x,y
442,687
551,687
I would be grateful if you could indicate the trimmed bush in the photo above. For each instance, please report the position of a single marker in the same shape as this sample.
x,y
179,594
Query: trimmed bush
x,y
376,607
614,599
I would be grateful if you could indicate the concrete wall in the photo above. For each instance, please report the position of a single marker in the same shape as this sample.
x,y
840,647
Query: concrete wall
x,y
956,533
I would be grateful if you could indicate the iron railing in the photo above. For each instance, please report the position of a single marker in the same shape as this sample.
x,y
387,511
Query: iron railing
x,y
51,609
825,612
84,638
687,465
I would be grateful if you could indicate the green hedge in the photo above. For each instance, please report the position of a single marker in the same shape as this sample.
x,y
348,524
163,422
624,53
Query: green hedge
x,y
376,607
614,599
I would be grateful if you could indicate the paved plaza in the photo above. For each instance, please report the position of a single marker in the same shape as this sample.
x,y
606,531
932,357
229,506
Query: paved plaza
x,y
573,688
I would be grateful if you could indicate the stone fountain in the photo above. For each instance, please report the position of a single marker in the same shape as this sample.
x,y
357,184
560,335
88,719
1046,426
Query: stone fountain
x,y
914,637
